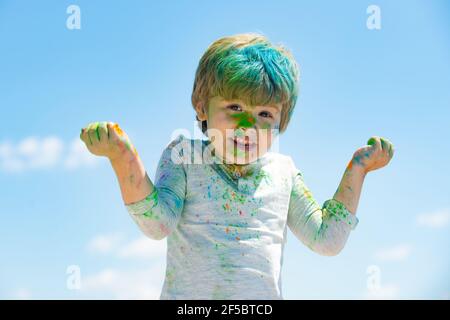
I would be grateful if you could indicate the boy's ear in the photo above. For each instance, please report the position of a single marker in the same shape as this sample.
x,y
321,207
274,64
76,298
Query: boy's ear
x,y
201,114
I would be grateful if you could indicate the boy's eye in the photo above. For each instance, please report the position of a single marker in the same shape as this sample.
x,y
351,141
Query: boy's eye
x,y
266,114
234,107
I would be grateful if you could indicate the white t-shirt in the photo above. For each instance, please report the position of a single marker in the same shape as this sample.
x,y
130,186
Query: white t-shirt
x,y
226,234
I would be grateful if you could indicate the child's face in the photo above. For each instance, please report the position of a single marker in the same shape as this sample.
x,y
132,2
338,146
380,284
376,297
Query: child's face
x,y
240,133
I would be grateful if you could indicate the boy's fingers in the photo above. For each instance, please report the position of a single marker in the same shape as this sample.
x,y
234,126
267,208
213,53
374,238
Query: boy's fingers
x,y
92,134
118,130
387,146
375,143
108,129
384,144
102,131
96,129
112,133
391,150
82,134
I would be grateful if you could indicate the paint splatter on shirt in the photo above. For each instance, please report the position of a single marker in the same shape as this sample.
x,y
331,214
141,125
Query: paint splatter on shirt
x,y
225,233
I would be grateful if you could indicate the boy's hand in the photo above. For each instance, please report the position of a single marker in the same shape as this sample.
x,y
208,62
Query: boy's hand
x,y
378,152
107,139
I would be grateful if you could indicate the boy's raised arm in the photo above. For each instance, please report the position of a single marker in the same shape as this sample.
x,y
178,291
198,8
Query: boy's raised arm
x,y
375,155
107,139
325,229
156,208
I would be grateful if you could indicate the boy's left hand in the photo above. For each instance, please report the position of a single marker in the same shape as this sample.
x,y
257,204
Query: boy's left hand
x,y
378,152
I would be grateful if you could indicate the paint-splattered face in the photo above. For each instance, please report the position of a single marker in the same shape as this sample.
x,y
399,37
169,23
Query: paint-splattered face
x,y
241,133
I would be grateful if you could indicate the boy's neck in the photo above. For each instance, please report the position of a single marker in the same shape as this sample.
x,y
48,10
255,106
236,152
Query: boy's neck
x,y
241,169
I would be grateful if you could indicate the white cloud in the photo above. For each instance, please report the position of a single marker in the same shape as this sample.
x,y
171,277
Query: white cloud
x,y
436,219
124,284
395,253
143,248
383,292
79,156
141,283
105,243
7,161
21,294
40,153
32,153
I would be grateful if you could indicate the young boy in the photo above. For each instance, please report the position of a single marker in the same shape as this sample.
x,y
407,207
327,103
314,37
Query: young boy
x,y
226,216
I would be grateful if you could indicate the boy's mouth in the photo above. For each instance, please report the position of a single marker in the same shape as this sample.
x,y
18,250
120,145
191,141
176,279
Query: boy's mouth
x,y
243,144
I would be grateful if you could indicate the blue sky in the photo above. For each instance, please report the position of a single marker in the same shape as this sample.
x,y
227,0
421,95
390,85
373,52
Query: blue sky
x,y
134,63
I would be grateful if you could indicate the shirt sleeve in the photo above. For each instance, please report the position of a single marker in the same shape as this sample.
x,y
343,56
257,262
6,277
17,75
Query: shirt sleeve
x,y
325,229
157,215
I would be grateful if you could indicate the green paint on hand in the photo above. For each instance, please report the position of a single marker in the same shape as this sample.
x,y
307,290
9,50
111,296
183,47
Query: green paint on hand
x,y
97,126
371,141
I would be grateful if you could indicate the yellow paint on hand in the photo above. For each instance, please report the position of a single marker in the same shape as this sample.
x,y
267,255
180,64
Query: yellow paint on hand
x,y
118,130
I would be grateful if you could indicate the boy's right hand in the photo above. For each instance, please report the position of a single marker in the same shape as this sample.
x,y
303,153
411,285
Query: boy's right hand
x,y
107,139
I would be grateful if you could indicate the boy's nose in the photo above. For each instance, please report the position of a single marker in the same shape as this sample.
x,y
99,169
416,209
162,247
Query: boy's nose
x,y
244,120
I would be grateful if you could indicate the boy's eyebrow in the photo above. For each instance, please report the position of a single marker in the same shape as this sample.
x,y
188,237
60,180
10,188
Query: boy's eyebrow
x,y
276,106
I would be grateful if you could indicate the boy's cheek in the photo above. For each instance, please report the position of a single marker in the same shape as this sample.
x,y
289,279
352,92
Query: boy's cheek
x,y
218,124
